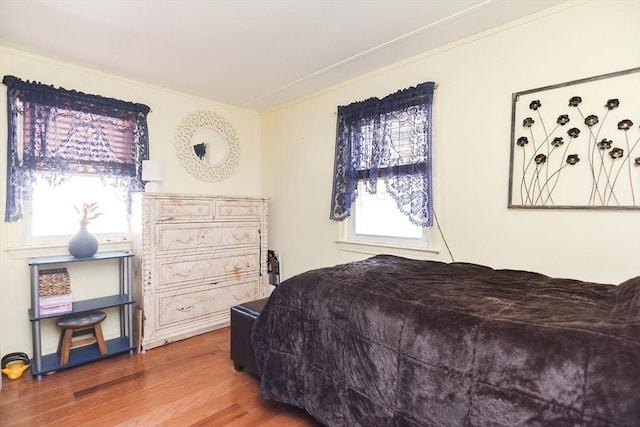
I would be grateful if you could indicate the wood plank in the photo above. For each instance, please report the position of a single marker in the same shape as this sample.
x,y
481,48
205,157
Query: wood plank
x,y
187,383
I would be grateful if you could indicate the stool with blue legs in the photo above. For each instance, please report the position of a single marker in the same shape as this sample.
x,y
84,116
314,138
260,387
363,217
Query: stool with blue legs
x,y
77,324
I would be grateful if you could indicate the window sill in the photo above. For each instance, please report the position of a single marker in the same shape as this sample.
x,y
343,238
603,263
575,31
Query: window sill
x,y
54,249
380,248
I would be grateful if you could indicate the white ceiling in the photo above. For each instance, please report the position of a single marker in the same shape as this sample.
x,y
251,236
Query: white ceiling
x,y
254,54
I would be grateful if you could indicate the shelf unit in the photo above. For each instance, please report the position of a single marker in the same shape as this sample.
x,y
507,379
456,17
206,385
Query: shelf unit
x,y
41,364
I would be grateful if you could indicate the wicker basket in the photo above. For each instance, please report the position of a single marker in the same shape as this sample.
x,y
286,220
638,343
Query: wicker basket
x,y
54,282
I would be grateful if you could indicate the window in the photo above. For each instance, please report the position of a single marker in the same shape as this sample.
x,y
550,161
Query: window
x,y
382,172
376,220
66,148
53,213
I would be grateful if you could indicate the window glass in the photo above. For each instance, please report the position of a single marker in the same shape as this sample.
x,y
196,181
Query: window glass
x,y
378,215
53,212
376,220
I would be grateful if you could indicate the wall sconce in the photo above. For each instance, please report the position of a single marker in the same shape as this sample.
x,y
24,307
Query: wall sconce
x,y
152,173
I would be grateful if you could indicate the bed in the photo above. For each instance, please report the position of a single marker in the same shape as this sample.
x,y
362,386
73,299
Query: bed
x,y
390,341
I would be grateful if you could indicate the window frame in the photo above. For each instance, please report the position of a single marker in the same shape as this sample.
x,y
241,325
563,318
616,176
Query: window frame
x,y
349,242
29,238
116,160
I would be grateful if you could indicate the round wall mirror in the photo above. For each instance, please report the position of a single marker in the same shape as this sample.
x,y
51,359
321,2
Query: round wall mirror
x,y
207,146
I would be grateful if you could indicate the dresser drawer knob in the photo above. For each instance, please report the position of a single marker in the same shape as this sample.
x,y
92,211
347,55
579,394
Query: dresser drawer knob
x,y
185,308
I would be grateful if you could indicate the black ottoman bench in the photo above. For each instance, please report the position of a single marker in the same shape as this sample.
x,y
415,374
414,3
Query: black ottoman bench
x,y
243,317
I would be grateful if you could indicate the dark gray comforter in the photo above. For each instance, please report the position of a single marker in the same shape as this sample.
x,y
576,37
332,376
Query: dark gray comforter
x,y
396,342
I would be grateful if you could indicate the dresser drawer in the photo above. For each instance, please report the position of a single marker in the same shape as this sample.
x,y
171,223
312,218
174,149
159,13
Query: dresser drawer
x,y
173,209
171,238
238,209
198,303
208,268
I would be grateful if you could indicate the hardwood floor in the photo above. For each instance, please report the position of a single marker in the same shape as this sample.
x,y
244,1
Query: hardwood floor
x,y
186,383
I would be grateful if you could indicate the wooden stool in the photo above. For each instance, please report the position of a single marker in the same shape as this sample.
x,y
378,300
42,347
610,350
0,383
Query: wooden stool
x,y
77,324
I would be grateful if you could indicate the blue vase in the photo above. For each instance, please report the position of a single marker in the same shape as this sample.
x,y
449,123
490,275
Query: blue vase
x,y
83,244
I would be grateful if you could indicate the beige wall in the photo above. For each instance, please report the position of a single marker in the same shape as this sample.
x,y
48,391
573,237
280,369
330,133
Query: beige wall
x,y
167,110
472,111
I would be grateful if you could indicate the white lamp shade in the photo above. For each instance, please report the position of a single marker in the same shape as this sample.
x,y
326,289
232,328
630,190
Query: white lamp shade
x,y
152,170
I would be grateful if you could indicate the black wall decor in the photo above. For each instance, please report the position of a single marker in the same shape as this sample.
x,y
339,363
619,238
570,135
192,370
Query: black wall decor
x,y
577,144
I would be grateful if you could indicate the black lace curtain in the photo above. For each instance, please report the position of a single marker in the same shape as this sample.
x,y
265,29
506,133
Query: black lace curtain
x,y
57,133
386,139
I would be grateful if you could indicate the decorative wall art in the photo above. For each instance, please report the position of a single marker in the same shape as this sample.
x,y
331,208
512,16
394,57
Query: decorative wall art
x,y
577,144
207,146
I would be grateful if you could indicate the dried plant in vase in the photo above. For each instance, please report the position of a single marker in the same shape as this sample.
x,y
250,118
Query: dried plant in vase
x,y
88,212
83,244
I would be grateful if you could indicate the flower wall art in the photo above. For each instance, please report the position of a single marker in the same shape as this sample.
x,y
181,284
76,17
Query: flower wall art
x,y
577,144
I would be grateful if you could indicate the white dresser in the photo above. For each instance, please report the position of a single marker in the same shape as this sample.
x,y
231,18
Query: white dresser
x,y
196,257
